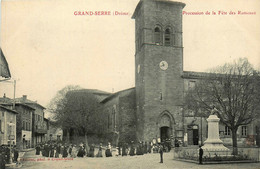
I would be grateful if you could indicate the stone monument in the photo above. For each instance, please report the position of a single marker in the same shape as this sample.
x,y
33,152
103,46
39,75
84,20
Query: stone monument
x,y
213,145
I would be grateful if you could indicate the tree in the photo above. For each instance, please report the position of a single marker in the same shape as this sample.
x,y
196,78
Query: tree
x,y
56,107
75,109
79,107
57,103
233,89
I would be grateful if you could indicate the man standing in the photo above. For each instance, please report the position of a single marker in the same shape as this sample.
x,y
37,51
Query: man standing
x,y
200,154
161,152
132,149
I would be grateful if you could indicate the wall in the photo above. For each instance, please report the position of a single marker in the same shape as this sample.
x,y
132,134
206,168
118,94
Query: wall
x,y
158,91
6,118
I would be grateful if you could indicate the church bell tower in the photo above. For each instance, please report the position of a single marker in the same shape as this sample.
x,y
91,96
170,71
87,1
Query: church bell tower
x,y
158,69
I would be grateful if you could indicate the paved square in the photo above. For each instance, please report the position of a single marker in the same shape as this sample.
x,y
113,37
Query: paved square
x,y
147,161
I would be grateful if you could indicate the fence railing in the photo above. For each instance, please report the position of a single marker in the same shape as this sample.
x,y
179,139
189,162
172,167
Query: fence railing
x,y
192,153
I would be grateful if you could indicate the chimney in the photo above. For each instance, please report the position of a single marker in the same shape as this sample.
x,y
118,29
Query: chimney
x,y
24,97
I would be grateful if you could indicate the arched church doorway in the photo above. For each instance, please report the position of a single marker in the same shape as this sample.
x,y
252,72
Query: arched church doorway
x,y
165,133
165,126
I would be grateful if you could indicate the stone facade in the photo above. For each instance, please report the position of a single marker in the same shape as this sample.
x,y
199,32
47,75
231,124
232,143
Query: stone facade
x,y
159,91
154,108
38,131
119,116
23,124
7,126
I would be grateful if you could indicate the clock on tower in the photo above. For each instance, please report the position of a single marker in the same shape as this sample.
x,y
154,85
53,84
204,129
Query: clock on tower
x,y
159,53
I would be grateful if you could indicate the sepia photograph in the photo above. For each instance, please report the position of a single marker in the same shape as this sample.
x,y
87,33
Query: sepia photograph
x,y
129,84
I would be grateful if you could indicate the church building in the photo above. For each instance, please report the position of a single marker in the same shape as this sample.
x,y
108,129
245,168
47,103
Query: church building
x,y
153,109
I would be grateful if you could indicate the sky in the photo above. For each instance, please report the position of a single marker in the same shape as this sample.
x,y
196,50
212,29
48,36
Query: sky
x,y
48,47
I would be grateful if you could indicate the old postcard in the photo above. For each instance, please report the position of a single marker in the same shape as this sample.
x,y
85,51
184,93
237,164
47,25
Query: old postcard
x,y
129,84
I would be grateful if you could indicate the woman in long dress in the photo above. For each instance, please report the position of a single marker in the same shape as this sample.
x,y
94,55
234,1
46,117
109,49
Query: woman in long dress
x,y
38,149
65,152
74,151
51,151
109,147
99,154
132,149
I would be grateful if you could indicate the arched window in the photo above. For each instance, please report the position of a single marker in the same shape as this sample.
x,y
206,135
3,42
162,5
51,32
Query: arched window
x,y
157,36
167,37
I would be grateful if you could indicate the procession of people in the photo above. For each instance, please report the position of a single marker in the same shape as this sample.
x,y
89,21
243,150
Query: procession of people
x,y
59,150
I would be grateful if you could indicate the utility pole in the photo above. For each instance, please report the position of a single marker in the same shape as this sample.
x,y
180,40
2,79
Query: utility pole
x,y
201,130
14,94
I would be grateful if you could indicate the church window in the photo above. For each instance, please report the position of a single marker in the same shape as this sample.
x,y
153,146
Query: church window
x,y
244,130
24,125
157,36
227,131
167,37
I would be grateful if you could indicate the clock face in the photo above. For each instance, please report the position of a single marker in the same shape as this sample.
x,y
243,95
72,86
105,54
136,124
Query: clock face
x,y
163,65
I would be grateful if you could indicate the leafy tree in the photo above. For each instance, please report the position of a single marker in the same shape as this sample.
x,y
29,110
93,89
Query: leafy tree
x,y
76,110
56,104
233,89
80,106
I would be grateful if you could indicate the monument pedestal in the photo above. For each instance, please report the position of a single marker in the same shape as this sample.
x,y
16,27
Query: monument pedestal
x,y
213,145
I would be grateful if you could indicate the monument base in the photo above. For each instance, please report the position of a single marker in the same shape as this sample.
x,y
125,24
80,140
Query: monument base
x,y
215,148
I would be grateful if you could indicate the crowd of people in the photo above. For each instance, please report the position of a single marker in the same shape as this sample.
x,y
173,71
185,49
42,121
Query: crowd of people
x,y
7,156
58,150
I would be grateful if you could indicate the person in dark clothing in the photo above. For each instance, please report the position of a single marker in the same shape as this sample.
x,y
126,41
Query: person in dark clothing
x,y
70,150
109,148
145,148
200,154
46,150
16,154
51,151
107,152
58,150
142,148
65,152
124,150
138,152
161,152
38,149
132,149
149,147
176,143
81,152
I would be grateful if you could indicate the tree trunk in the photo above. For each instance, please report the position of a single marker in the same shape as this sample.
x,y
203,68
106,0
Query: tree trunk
x,y
116,138
68,136
234,140
86,142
